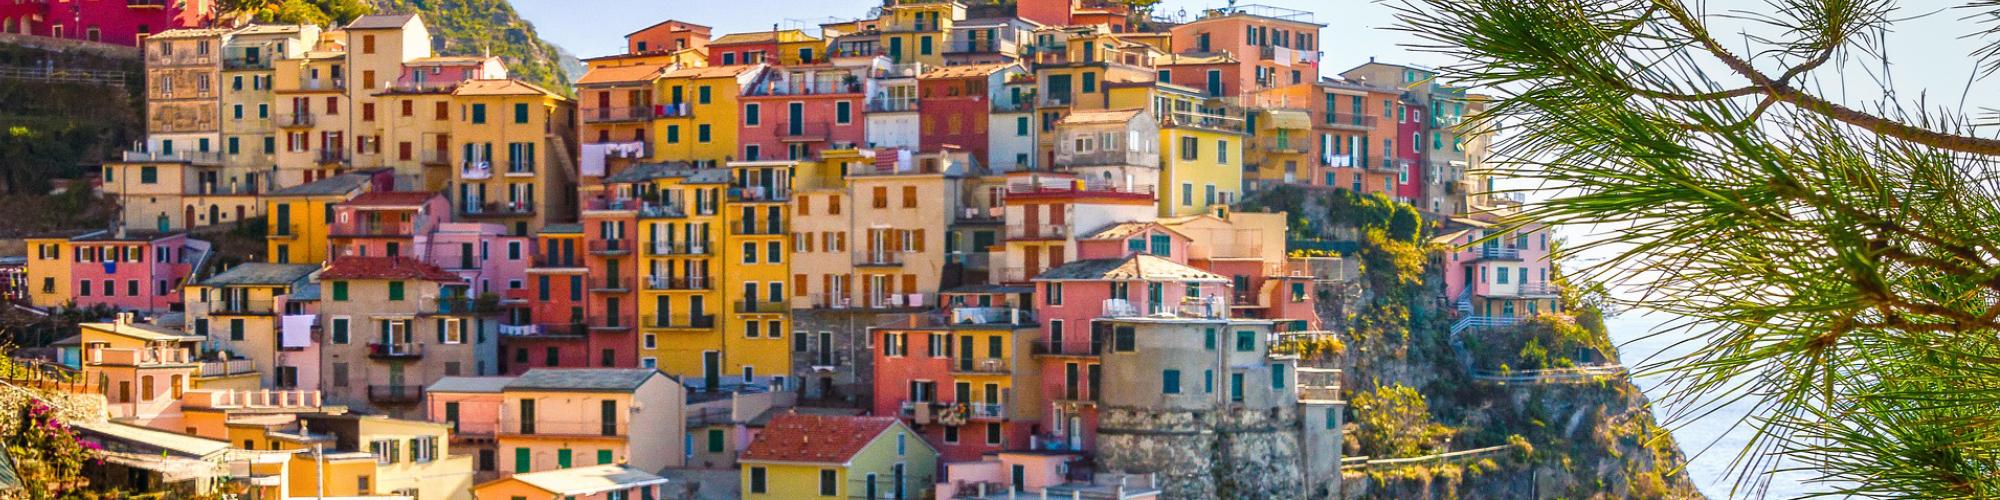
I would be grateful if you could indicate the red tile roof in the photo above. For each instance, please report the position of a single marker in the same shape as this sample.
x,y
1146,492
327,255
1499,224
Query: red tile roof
x,y
823,439
385,268
410,199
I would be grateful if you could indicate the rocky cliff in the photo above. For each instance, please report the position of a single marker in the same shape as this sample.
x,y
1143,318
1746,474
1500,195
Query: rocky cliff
x,y
475,27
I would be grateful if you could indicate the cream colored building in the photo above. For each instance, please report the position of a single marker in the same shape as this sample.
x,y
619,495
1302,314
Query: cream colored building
x,y
554,418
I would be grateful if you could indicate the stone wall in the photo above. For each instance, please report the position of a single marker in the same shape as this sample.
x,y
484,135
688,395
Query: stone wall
x,y
846,380
1228,453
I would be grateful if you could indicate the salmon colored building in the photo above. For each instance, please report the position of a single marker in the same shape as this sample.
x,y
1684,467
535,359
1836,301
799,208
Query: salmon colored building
x,y
963,381
547,318
667,36
958,103
134,270
796,112
1275,47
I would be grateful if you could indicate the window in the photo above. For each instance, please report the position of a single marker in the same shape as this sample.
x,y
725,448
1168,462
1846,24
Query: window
x,y
478,113
843,112
521,461
1246,341
909,197
521,112
1170,381
339,291
1187,194
149,175
1236,387
701,133
702,94
340,332
757,481
1055,294
395,290
829,483
749,253
1222,152
604,457
753,114
1124,338
1190,148
1277,376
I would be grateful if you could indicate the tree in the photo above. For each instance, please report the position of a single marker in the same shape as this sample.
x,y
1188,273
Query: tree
x,y
1395,422
1839,261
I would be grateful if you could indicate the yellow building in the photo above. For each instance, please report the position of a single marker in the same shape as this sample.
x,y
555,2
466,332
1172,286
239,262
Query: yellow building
x,y
377,47
1201,156
298,217
756,259
48,269
874,233
701,115
919,30
512,154
680,230
602,482
361,455
313,111
813,456
1282,149
242,311
249,135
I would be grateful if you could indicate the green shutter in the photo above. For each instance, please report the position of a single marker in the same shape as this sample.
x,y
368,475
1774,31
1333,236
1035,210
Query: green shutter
x,y
603,457
521,460
340,291
395,290
562,458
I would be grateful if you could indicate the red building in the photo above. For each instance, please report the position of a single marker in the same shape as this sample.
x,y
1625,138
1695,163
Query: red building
x,y
547,326
964,379
667,36
1215,75
1410,152
793,113
117,22
958,104
611,319
1075,12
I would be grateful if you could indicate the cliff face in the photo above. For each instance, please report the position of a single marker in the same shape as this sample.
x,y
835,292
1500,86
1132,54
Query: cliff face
x,y
1585,433
475,27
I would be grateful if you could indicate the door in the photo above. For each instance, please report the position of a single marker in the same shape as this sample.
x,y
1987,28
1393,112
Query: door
x,y
825,349
896,50
711,370
965,353
1075,432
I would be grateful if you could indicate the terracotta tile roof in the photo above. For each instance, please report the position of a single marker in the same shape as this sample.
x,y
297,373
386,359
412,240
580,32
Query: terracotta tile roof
x,y
411,199
623,74
820,439
501,87
385,268
963,71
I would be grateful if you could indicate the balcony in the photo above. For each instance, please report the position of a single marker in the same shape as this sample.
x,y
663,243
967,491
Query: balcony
x,y
759,193
395,394
758,228
986,411
399,351
678,322
458,306
283,231
242,307
1075,347
148,356
610,247
893,105
1027,190
195,157
803,131
295,120
988,215
879,258
227,367
664,283
616,114
988,46
762,307
498,209
332,157
147,4
1284,145
475,169
651,210
419,87
240,62
675,110
1494,252
1009,105
671,248
562,426
607,324
435,158
311,84
1349,121
371,227
610,285
981,366
1041,232
1522,291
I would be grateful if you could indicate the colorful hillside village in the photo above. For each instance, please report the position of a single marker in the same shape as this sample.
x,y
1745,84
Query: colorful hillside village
x,y
947,251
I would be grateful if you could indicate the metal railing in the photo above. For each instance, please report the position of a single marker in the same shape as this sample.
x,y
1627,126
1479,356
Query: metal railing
x,y
762,307
372,228
396,351
245,63
678,283
665,248
610,247
395,393
332,156
616,114
283,231
759,228
981,365
1070,347
677,321
499,209
804,88
198,157
892,105
475,169
1495,252
222,368
1285,145
609,284
242,307
804,131
1348,120
322,83
434,157
878,258
1044,231
304,119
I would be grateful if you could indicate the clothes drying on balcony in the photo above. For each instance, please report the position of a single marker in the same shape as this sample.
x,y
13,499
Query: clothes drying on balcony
x,y
592,162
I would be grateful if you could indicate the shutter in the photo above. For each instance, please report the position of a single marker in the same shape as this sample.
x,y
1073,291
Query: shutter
x,y
440,330
919,240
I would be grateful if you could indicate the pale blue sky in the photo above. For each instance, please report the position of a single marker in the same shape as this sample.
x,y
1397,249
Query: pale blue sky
x,y
591,28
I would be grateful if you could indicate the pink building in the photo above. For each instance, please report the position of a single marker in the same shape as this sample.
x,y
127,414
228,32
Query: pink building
x,y
446,72
122,23
386,224
962,379
472,405
793,113
1410,153
1500,281
134,270
1075,294
1275,47
489,258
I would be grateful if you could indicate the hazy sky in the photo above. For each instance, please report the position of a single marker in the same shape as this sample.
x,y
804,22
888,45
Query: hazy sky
x,y
590,28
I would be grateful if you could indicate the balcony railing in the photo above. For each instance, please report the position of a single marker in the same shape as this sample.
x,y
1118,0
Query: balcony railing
x,y
1285,145
475,169
610,284
807,131
678,283
985,410
499,209
455,306
396,351
675,110
520,167
1041,232
224,368
302,119
395,394
283,231
1543,289
762,307
373,228
892,105
322,84
196,157
616,114
759,227
668,248
240,62
759,193
988,215
678,321
332,156
981,365
989,46
1496,252
650,210
1348,120
878,258
607,323
1028,189
803,88
610,247
242,307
